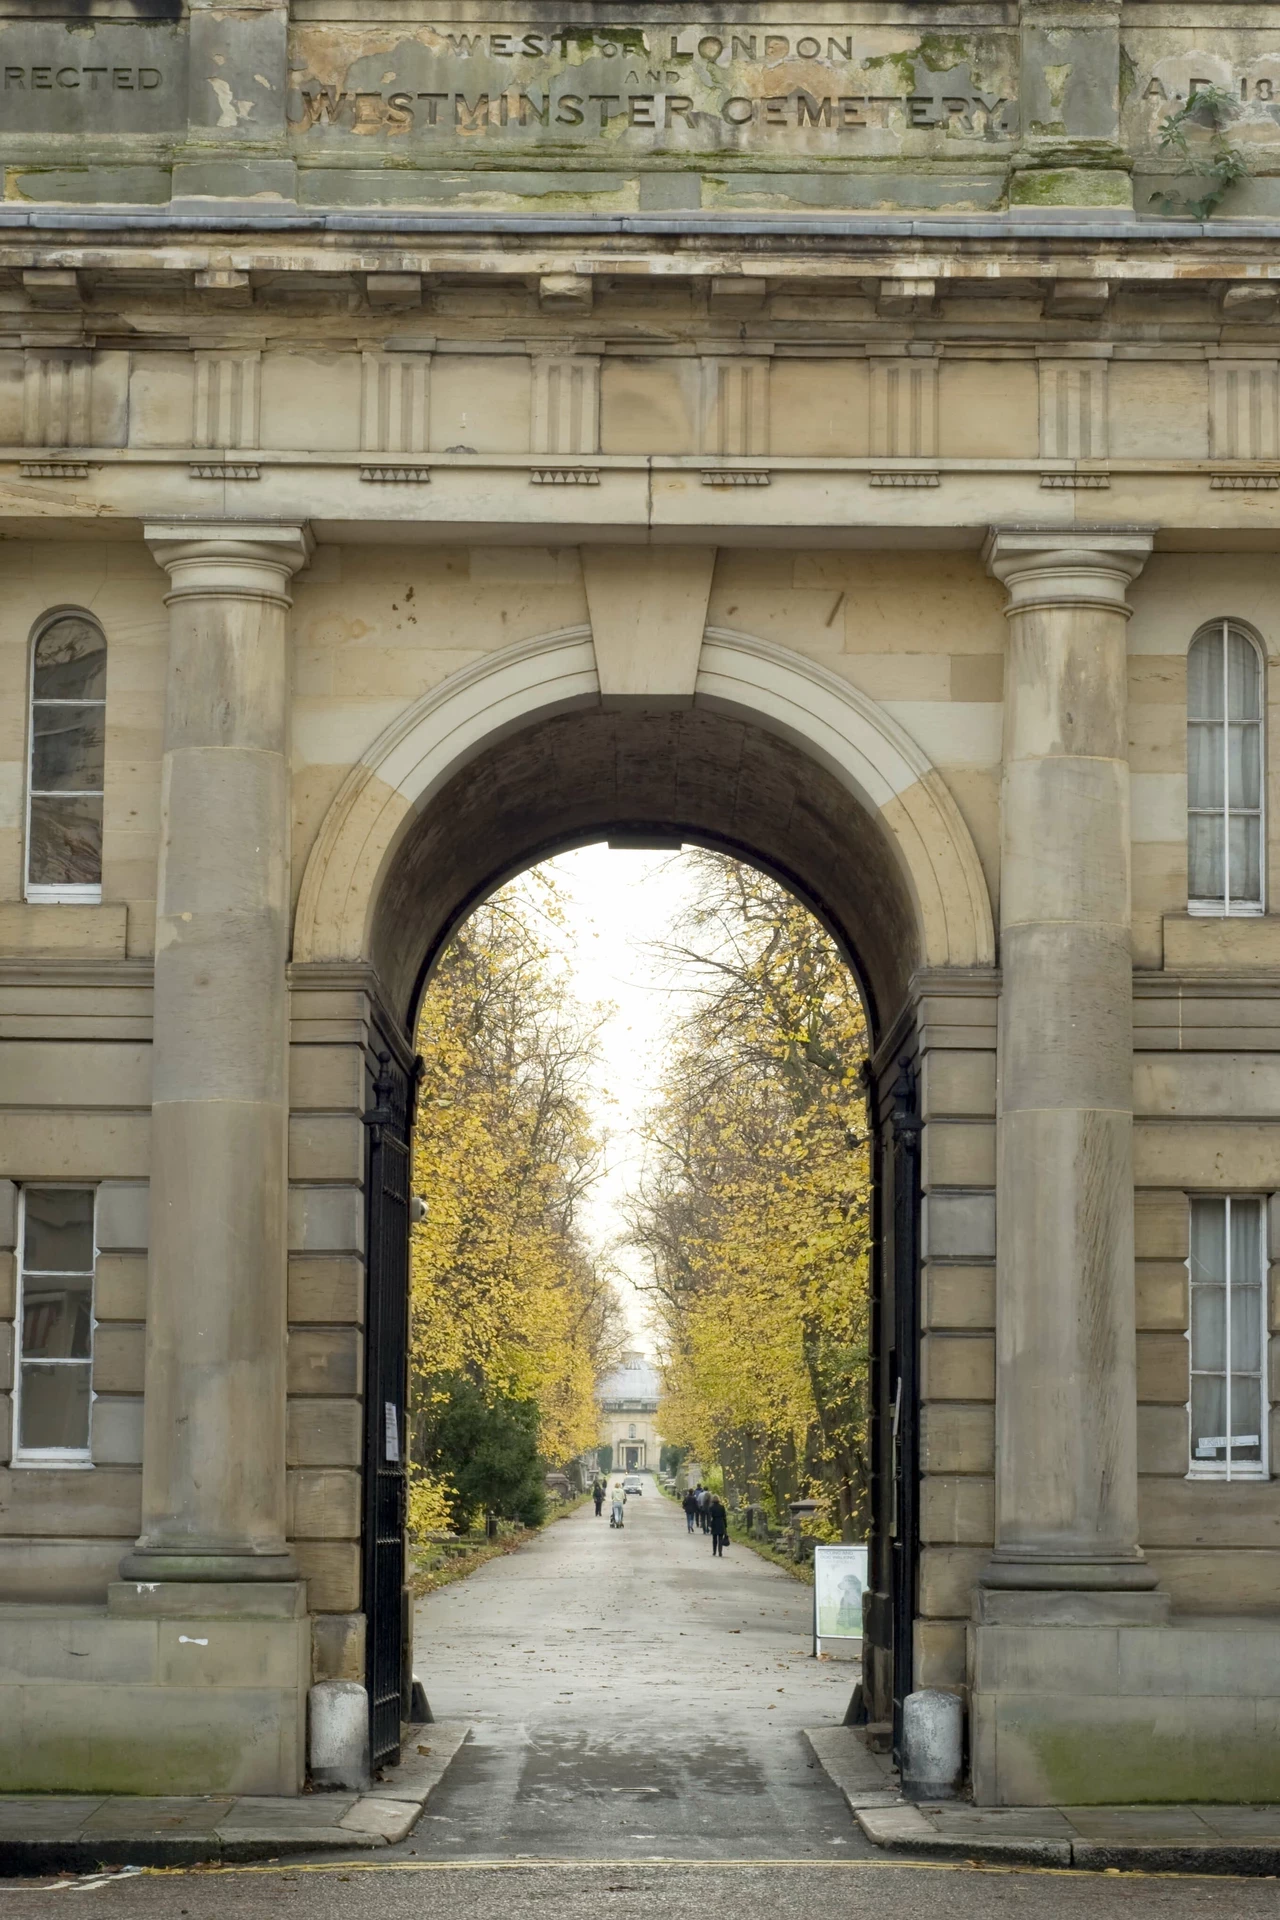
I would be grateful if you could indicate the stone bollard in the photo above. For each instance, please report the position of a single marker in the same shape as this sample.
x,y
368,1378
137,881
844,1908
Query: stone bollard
x,y
932,1744
338,1711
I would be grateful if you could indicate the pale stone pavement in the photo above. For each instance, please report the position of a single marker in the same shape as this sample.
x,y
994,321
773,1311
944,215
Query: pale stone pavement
x,y
630,1695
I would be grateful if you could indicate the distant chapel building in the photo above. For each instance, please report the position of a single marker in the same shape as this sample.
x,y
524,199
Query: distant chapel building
x,y
629,1414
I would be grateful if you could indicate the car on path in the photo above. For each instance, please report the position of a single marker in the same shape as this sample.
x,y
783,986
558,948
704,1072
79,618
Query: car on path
x,y
632,1485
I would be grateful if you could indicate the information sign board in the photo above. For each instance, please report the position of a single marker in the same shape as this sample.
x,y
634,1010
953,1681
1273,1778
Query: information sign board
x,y
839,1582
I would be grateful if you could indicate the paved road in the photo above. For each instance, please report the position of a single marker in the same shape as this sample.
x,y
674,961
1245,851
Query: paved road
x,y
631,1697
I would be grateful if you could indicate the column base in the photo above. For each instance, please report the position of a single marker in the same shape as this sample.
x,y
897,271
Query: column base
x,y
1077,1700
1068,1607
173,1688
1030,1573
162,1563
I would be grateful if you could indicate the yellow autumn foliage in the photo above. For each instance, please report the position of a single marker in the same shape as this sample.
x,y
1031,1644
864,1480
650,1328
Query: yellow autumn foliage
x,y
754,1212
502,1285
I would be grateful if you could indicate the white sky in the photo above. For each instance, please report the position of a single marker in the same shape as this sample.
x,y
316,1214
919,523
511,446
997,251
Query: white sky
x,y
615,903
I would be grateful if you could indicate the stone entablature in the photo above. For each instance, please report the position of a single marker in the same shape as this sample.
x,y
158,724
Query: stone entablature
x,y
770,110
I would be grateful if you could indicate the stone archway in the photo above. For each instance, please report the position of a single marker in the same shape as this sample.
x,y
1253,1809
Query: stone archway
x,y
923,841
774,759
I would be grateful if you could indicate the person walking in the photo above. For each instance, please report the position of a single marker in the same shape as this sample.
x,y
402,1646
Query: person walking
x,y
690,1505
717,1524
704,1501
597,1494
618,1508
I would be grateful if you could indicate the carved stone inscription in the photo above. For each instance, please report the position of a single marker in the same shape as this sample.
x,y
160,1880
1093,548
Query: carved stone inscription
x,y
829,90
1160,71
110,76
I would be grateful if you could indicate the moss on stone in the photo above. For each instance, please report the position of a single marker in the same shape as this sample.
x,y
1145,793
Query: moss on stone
x,y
1089,1764
626,39
940,52
198,1759
903,64
1071,187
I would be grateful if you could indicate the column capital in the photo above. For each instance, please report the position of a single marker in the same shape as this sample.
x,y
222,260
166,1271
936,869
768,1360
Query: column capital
x,y
1067,566
229,559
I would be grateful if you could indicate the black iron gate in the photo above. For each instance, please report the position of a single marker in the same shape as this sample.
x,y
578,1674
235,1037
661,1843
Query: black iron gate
x,y
904,1530
389,1121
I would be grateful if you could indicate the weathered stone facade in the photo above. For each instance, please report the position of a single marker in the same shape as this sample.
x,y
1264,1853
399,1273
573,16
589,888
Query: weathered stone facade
x,y
823,447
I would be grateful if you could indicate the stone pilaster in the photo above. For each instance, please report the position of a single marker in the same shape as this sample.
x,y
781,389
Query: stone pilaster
x,y
213,1498
1066,1451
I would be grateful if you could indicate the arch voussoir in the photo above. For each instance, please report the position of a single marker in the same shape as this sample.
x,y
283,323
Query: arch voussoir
x,y
762,685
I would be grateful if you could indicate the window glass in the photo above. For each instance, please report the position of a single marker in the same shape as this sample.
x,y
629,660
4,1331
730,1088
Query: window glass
x,y
1246,1423
1204,678
1209,1326
1227,1410
1204,765
1224,771
55,1323
54,1408
65,785
1243,849
1244,766
59,1230
65,842
71,660
56,1317
1243,677
66,748
1208,1422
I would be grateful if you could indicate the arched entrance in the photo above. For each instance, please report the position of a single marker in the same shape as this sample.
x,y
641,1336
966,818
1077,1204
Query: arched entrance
x,y
774,760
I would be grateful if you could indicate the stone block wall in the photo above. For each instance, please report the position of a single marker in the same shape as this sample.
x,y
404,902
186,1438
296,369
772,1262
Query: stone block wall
x,y
120,584
957,1319
173,1699
374,628
1205,1084
329,1055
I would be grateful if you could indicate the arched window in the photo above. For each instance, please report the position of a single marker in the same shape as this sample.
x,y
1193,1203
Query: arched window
x,y
64,787
1225,837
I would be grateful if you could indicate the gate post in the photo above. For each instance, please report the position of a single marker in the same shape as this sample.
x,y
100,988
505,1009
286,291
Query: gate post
x,y
213,1499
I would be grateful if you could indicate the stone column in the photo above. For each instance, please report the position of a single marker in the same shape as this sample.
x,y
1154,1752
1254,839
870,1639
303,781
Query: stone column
x,y
213,1481
1066,1416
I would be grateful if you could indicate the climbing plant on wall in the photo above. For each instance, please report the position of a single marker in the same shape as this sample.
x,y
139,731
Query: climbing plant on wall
x,y
1195,139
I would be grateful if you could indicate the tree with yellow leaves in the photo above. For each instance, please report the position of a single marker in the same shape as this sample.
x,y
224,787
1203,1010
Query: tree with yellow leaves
x,y
753,1212
507,1306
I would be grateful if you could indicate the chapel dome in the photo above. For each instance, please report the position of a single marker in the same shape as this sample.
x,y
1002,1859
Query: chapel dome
x,y
635,1383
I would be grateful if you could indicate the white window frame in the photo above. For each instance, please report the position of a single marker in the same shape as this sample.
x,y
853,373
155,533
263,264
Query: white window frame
x,y
1224,1469
73,1457
1227,908
42,893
